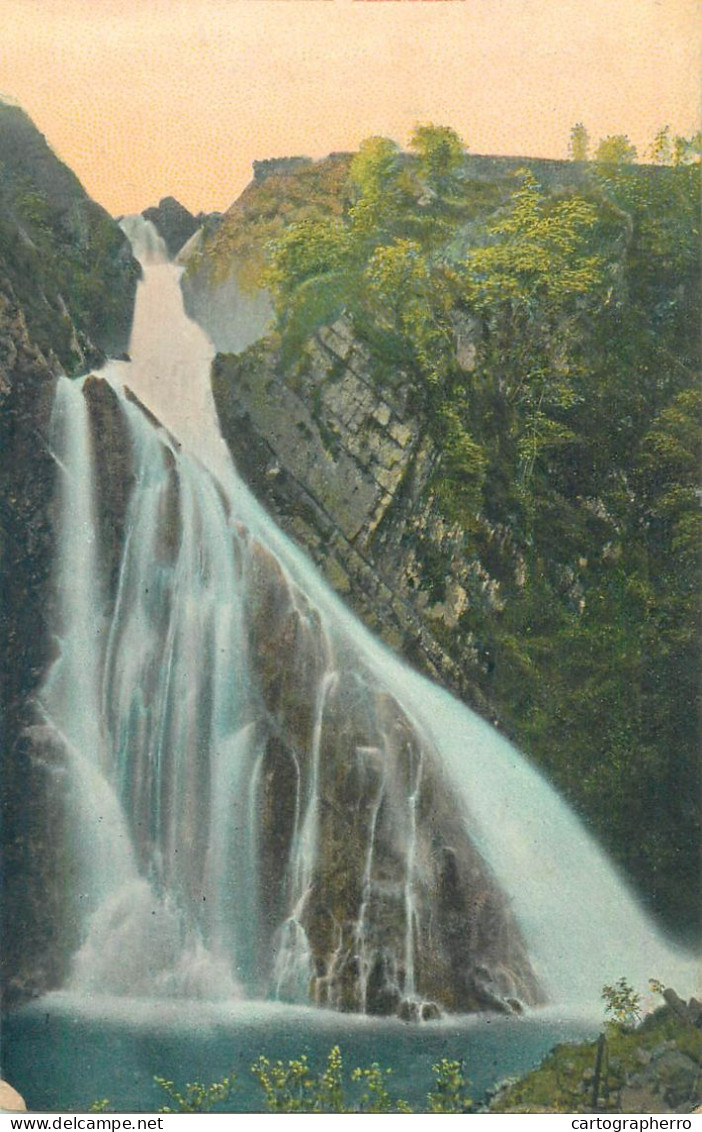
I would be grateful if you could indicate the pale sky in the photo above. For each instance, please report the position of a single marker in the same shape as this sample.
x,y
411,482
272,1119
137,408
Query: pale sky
x,y
146,98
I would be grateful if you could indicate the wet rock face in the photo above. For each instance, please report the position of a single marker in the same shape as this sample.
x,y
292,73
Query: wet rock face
x,y
345,466
115,472
389,906
174,224
26,537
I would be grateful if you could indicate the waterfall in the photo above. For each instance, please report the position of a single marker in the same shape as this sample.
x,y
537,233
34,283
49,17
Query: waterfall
x,y
226,721
71,701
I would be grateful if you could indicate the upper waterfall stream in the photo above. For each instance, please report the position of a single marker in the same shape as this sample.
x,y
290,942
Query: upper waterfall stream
x,y
264,800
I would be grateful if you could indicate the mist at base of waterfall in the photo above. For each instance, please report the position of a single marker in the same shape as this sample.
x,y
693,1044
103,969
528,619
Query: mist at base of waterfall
x,y
64,1051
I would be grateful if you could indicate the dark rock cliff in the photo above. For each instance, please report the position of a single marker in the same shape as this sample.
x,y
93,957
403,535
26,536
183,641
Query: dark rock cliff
x,y
382,797
28,839
69,263
67,284
173,223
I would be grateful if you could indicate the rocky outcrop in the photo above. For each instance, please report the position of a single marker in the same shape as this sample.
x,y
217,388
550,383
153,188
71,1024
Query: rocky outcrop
x,y
655,1067
399,914
509,535
173,223
26,490
225,261
234,315
115,473
69,263
271,166
346,468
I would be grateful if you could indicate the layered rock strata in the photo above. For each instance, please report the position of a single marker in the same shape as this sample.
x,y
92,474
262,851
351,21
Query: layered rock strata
x,y
345,468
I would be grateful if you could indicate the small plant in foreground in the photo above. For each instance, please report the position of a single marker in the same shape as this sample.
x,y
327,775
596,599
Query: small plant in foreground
x,y
449,1083
196,1097
377,1098
103,1105
291,1087
622,1004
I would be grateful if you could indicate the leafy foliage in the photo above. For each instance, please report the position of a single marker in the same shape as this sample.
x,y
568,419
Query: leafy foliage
x,y
376,1096
579,147
288,1086
615,150
541,252
67,261
440,152
292,1086
448,1095
622,1004
196,1097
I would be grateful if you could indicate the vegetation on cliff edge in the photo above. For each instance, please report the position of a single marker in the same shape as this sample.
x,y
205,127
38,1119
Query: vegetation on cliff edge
x,y
68,263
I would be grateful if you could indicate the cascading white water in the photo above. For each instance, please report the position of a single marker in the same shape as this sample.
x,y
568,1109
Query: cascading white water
x,y
71,697
158,712
369,753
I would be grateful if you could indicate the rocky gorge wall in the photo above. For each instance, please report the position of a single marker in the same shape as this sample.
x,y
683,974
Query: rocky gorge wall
x,y
346,468
26,394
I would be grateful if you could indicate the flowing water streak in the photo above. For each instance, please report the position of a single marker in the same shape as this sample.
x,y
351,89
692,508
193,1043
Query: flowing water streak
x,y
369,755
70,697
152,718
293,964
410,907
306,844
184,728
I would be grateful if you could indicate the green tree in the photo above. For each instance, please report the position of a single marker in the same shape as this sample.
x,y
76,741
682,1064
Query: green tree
x,y
527,283
375,177
687,151
440,153
410,305
310,277
306,249
579,146
616,149
661,149
540,252
622,1004
448,1094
